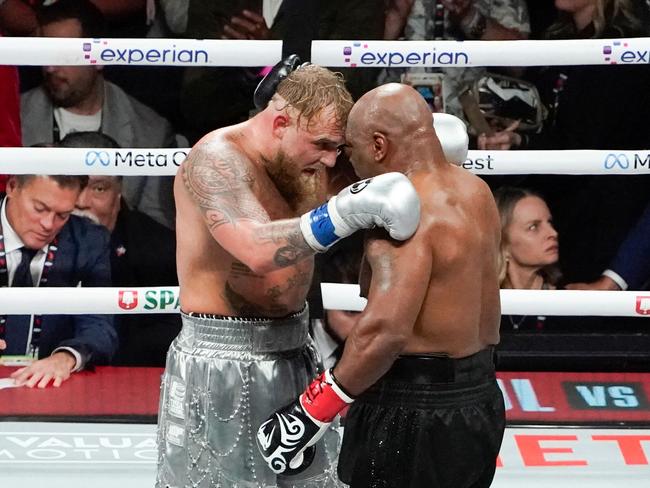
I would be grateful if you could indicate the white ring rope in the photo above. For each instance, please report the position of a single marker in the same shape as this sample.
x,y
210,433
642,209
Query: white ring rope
x,y
352,53
421,54
336,296
161,162
60,51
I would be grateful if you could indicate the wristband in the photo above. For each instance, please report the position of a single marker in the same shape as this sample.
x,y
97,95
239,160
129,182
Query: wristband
x,y
318,229
320,226
324,398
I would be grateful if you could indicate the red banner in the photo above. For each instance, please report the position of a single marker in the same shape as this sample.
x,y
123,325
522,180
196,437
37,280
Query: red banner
x,y
585,398
576,398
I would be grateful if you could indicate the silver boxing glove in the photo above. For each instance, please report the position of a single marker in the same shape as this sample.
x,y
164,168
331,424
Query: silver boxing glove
x,y
452,134
388,200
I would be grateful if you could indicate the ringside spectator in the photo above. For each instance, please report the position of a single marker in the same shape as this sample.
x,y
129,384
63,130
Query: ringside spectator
x,y
529,249
142,253
47,246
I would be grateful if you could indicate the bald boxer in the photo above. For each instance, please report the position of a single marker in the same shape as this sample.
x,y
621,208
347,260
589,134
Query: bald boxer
x,y
417,368
245,245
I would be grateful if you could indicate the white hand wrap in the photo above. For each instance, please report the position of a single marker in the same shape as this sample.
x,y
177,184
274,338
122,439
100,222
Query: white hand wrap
x,y
452,134
388,200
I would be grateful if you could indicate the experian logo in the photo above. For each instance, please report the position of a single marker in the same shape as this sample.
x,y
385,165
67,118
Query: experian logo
x,y
98,49
616,52
361,53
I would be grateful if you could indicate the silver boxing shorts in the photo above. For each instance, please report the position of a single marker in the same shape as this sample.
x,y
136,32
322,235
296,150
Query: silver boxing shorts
x,y
224,377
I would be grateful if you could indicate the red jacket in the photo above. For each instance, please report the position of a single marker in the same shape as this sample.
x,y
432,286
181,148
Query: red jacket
x,y
10,135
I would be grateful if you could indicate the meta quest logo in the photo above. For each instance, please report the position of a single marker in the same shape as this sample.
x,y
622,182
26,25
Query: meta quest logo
x,y
630,161
128,159
368,54
621,52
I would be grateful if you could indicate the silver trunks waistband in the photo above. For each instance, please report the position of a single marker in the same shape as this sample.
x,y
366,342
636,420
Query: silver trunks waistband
x,y
242,335
224,377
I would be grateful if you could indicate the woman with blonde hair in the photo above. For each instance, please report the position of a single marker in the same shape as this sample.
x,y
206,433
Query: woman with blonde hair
x,y
603,18
529,242
529,249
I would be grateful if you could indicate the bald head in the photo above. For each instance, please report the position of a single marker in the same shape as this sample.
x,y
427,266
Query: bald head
x,y
390,128
393,109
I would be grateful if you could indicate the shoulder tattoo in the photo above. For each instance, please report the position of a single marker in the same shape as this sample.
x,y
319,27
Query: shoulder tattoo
x,y
220,184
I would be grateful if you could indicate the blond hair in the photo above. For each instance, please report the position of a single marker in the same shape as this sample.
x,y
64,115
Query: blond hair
x,y
627,18
506,198
310,89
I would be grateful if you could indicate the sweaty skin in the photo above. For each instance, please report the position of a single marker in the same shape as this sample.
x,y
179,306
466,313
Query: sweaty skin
x,y
240,251
438,292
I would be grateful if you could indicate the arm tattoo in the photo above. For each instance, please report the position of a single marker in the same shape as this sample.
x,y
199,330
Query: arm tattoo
x,y
288,236
220,184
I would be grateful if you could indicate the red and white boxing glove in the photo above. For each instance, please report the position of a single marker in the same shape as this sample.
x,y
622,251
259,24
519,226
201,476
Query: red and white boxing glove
x,y
286,440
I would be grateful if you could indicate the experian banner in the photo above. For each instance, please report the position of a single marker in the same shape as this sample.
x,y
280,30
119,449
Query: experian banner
x,y
138,52
445,54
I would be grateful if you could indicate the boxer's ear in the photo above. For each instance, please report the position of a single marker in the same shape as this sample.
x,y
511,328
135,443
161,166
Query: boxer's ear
x,y
281,123
379,146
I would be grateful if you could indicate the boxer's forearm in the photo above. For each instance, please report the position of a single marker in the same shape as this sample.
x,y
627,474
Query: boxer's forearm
x,y
400,274
278,244
369,352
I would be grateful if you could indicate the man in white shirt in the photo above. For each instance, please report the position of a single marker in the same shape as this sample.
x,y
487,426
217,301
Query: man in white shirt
x,y
78,98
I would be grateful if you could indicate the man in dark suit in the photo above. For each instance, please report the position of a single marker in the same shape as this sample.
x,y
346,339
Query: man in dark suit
x,y
630,268
142,253
42,244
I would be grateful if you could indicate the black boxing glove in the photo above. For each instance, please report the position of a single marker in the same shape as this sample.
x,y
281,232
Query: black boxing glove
x,y
287,439
266,88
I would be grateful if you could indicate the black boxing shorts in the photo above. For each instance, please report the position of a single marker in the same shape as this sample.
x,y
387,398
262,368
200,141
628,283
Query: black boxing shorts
x,y
429,422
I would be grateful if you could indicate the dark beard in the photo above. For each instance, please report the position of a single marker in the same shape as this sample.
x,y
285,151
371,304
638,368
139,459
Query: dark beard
x,y
63,100
300,191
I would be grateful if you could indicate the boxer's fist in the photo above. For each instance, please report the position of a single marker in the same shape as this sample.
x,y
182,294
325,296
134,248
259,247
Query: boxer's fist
x,y
452,134
388,200
266,88
286,440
